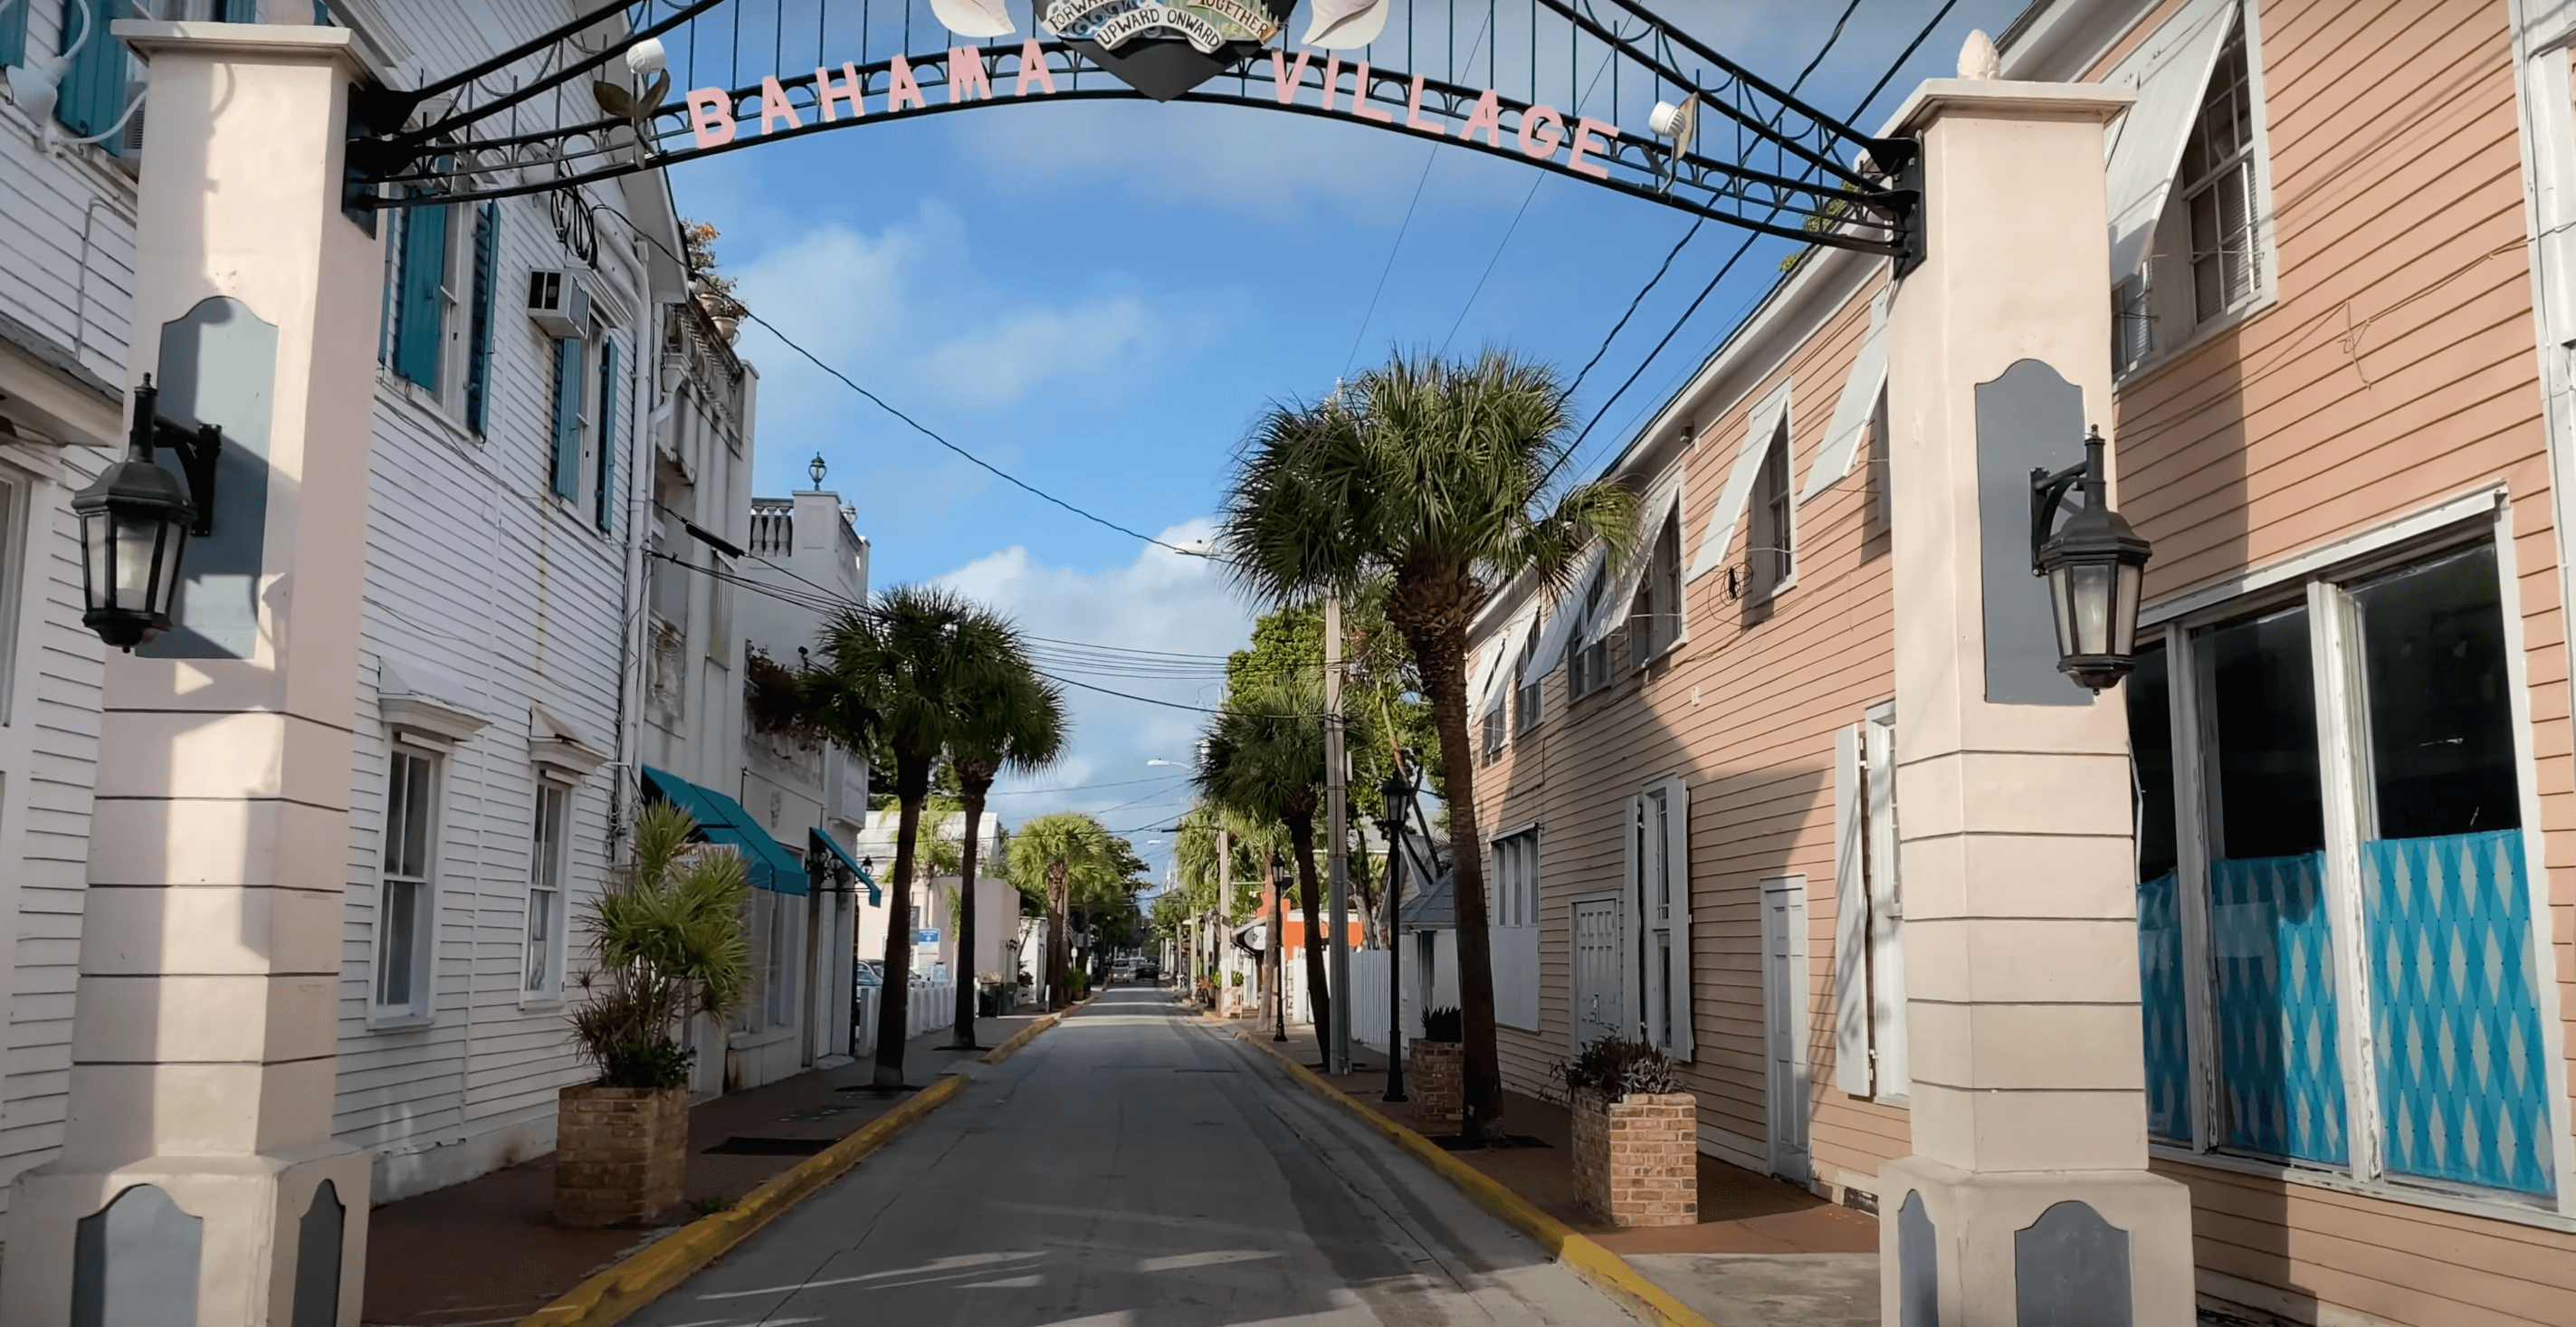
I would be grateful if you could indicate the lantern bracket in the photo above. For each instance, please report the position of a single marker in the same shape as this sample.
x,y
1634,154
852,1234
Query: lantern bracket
x,y
197,448
2048,492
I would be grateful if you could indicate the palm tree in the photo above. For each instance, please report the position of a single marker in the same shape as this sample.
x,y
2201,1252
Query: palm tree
x,y
1435,474
906,670
1017,725
1263,759
1058,853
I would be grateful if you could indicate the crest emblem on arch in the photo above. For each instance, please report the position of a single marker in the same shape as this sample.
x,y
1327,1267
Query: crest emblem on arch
x,y
1163,48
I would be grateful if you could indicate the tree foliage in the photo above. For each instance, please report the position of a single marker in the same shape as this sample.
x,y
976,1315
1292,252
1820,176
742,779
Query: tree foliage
x,y
666,939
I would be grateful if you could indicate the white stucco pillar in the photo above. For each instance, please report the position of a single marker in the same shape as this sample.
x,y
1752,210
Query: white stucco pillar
x,y
190,1189
2028,1189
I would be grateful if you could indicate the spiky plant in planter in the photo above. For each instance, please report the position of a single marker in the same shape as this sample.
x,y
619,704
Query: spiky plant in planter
x,y
1435,1073
1636,1134
667,941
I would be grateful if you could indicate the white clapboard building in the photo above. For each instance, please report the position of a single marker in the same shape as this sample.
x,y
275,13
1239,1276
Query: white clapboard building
x,y
559,489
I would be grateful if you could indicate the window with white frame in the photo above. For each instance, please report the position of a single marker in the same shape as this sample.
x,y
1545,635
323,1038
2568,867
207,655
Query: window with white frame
x,y
406,896
1512,884
1589,667
778,980
2218,187
1658,861
1870,1057
546,868
1527,688
1655,616
1773,561
2332,863
1490,737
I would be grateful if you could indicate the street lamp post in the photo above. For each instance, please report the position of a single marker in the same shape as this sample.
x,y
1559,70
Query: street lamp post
x,y
1397,794
1276,953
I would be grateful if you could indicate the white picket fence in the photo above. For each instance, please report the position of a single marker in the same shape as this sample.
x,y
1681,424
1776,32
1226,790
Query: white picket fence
x,y
1368,987
929,1005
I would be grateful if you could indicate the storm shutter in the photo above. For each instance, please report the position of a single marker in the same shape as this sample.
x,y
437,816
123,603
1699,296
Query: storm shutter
x,y
13,34
1851,918
608,402
91,94
2170,74
1765,423
567,457
1888,1020
478,353
418,320
1677,867
1859,401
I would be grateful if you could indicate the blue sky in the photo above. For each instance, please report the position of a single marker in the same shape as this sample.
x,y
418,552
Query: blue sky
x,y
1101,297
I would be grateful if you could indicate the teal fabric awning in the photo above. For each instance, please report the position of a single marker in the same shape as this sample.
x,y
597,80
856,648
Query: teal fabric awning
x,y
826,843
721,819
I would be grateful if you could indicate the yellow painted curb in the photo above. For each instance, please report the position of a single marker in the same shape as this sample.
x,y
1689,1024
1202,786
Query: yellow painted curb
x,y
1587,1256
641,1277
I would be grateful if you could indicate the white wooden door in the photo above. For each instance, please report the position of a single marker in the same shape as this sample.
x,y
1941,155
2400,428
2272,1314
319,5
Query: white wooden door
x,y
1597,970
1784,1023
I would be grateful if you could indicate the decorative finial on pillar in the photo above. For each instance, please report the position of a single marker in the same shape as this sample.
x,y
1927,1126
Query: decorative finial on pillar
x,y
1978,60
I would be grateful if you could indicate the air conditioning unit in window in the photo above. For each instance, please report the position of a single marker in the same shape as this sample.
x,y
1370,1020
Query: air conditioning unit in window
x,y
558,301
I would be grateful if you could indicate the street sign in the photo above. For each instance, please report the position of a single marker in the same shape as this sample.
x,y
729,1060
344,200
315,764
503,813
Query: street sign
x,y
925,936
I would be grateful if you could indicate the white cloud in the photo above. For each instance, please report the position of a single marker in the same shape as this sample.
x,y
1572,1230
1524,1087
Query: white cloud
x,y
1160,602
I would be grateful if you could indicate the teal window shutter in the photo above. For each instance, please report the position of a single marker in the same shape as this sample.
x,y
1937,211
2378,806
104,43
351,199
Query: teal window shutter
x,y
568,385
487,272
13,33
91,95
606,514
419,312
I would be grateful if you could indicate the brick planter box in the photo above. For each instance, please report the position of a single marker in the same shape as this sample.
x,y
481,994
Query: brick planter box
x,y
1435,1077
620,1153
1636,1160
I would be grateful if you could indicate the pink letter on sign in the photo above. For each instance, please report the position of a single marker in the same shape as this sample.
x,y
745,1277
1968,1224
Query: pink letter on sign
x,y
967,75
1359,100
1287,78
902,88
773,105
710,116
1584,129
1541,130
1413,113
1033,69
1488,116
1332,79
851,90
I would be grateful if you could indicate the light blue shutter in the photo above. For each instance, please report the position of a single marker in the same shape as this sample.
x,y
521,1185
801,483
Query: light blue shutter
x,y
92,93
608,406
417,314
487,272
567,480
13,34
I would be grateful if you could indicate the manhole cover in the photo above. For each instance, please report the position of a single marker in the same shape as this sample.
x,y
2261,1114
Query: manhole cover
x,y
770,1147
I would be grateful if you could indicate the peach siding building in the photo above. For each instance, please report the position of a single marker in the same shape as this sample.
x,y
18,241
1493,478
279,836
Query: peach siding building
x,y
2342,294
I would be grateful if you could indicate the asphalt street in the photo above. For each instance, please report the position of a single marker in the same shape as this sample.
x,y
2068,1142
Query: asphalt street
x,y
1135,1167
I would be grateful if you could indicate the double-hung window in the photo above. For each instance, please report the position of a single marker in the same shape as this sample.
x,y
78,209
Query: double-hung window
x,y
548,846
2339,957
1773,562
1655,616
1658,860
406,897
1590,669
2218,188
1527,686
1513,885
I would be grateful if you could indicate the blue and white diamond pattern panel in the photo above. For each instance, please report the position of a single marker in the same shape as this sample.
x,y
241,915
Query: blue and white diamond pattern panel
x,y
2280,1062
2160,1008
2462,1096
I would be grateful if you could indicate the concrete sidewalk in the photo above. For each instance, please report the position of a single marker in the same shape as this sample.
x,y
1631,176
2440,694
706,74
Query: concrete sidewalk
x,y
1764,1250
487,1252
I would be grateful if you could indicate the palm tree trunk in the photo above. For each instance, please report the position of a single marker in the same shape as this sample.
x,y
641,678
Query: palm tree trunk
x,y
964,1039
911,787
1441,653
1301,839
1059,960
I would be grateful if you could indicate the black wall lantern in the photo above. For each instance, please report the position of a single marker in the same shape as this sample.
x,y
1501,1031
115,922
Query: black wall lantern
x,y
135,521
2094,565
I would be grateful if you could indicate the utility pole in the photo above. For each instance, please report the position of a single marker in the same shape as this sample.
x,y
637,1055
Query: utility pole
x,y
1225,923
1337,951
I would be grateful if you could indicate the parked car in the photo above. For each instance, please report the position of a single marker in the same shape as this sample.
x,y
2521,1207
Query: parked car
x,y
867,972
1149,970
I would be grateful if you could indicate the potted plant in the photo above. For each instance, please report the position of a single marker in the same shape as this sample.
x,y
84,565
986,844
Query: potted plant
x,y
667,941
1435,1066
1636,1135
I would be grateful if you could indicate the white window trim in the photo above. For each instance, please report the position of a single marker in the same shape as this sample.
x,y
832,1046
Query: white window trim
x,y
1680,1040
17,507
424,1012
2267,291
1787,442
2477,504
552,995
2315,578
1673,506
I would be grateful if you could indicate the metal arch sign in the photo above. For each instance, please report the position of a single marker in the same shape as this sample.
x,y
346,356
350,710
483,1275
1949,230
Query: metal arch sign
x,y
1163,48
